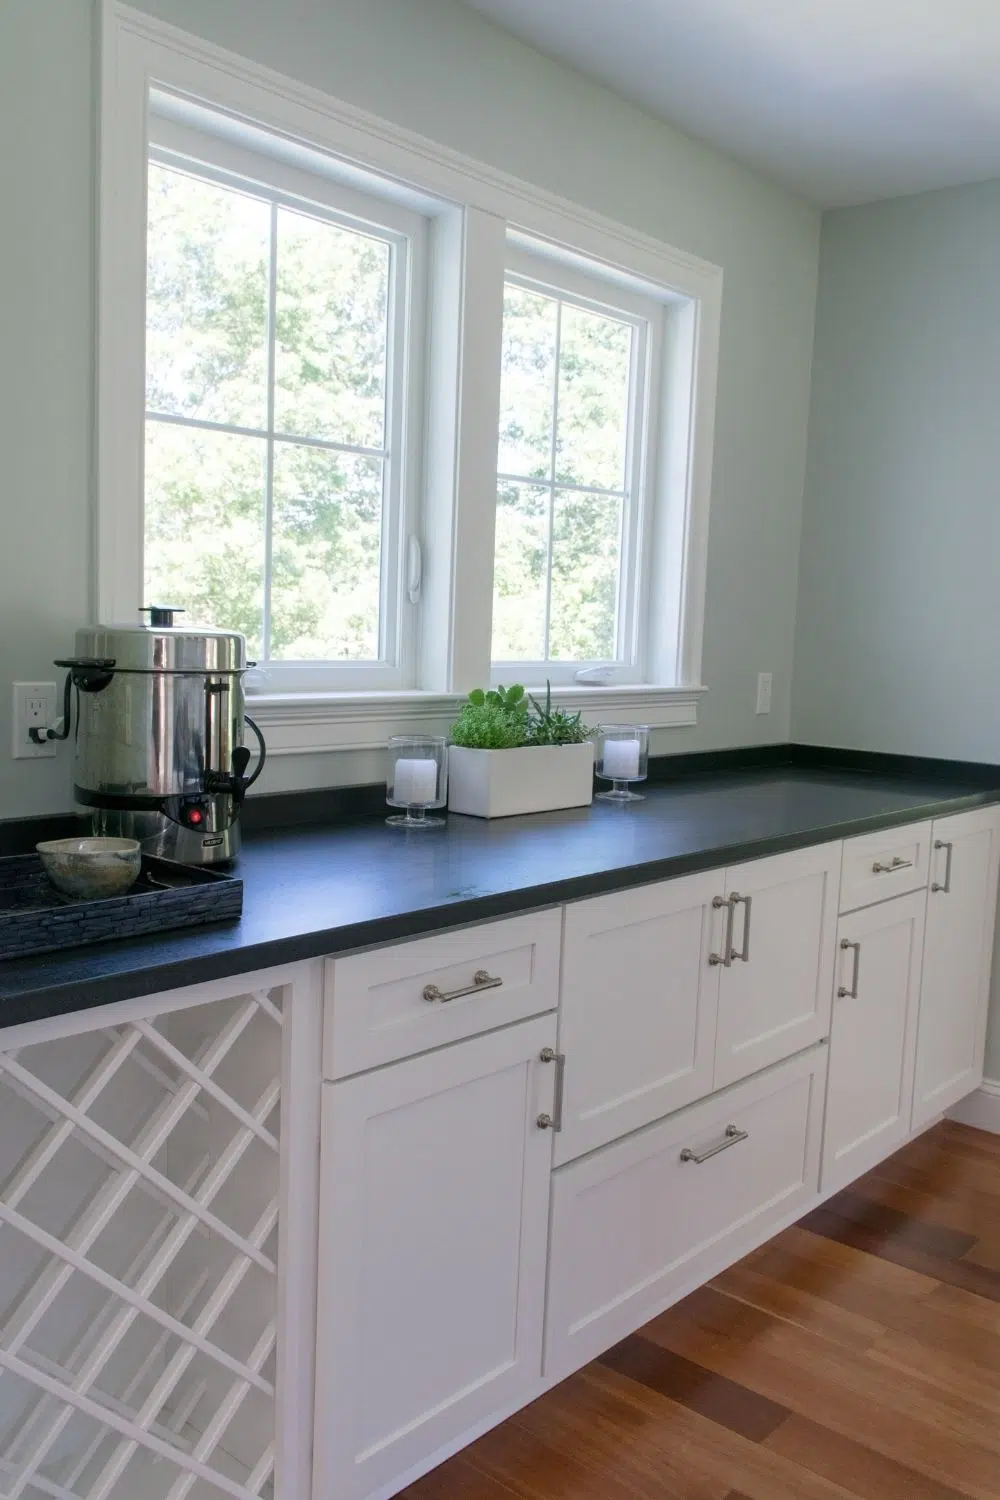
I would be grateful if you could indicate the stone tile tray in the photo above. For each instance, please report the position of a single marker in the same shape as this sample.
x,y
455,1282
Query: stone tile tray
x,y
36,918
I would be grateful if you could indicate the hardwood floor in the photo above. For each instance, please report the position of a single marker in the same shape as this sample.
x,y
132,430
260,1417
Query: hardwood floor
x,y
855,1355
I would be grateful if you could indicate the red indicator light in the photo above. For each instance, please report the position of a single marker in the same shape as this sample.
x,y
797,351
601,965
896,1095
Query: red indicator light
x,y
195,816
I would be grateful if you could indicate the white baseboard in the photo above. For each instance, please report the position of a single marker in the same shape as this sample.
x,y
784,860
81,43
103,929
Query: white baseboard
x,y
980,1108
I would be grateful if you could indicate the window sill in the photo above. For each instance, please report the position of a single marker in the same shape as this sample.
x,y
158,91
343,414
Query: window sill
x,y
321,723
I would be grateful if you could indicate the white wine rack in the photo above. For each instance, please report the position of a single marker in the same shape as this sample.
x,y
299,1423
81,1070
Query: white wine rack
x,y
144,1302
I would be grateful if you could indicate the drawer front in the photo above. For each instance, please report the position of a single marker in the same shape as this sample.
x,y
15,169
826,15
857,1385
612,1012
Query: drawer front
x,y
393,1002
640,1223
881,865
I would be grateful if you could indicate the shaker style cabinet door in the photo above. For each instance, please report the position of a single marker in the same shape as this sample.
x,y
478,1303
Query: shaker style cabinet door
x,y
958,952
639,998
433,1225
872,1036
777,978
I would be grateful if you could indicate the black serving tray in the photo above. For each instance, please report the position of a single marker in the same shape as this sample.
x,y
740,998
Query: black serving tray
x,y
36,918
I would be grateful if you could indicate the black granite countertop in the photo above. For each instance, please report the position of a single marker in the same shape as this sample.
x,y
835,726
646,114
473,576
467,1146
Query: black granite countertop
x,y
326,889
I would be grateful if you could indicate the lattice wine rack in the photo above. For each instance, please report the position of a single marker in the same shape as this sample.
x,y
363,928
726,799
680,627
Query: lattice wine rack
x,y
143,1180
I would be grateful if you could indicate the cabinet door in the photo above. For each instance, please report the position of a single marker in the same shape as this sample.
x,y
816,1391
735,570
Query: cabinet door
x,y
958,951
639,998
434,1212
872,1036
643,1221
776,989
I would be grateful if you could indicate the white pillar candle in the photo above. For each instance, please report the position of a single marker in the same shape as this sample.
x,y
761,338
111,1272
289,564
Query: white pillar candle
x,y
621,759
415,782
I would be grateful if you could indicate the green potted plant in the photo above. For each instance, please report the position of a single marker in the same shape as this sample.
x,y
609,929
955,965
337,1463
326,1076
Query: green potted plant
x,y
510,754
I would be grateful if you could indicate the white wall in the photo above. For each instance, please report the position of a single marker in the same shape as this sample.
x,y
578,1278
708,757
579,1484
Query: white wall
x,y
438,68
898,642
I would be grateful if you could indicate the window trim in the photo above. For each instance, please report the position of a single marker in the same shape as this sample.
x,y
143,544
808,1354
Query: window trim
x,y
481,207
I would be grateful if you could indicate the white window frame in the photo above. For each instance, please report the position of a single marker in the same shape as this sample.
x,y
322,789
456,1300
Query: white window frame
x,y
645,315
475,213
212,158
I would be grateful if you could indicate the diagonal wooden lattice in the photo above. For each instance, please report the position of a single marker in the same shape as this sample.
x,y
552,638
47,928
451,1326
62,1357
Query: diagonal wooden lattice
x,y
138,1214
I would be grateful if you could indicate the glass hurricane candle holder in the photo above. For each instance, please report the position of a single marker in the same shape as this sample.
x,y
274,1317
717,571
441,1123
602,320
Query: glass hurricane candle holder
x,y
417,779
622,757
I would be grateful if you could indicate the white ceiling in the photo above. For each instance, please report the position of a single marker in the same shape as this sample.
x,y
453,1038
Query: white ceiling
x,y
844,101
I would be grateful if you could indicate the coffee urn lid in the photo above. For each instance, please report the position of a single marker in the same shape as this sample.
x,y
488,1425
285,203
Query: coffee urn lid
x,y
162,646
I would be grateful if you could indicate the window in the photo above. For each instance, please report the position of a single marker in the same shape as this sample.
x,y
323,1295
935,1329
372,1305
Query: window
x,y
404,421
275,413
570,505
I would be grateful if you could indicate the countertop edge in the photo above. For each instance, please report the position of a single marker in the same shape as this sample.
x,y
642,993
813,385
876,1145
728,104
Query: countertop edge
x,y
83,993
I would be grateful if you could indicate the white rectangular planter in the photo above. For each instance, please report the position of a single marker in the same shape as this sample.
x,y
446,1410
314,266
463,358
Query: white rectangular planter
x,y
537,778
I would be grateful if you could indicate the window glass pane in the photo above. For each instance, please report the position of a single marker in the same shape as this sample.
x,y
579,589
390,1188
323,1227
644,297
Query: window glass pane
x,y
326,555
527,383
594,374
204,527
586,559
331,320
520,569
206,300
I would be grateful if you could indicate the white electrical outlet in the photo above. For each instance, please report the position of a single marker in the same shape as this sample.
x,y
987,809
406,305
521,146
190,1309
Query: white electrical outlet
x,y
763,692
34,707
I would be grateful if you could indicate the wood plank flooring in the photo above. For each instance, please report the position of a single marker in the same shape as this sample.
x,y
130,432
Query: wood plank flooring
x,y
855,1355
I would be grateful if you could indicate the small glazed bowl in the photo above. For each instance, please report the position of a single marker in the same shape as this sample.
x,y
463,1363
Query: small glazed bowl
x,y
88,868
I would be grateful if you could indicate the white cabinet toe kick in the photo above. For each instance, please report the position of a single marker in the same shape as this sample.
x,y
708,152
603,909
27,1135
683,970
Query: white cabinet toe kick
x,y
302,1235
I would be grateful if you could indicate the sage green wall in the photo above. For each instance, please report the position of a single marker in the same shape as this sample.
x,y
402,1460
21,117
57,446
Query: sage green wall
x,y
898,637
440,69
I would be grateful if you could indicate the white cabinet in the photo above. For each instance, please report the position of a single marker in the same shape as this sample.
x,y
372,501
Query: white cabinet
x,y
958,948
872,1036
676,988
776,985
434,1212
639,1000
641,1222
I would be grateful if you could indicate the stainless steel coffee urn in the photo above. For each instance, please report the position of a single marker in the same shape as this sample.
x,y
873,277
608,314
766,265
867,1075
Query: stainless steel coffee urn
x,y
159,735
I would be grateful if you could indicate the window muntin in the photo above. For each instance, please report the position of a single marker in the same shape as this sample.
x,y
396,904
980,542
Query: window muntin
x,y
572,424
276,416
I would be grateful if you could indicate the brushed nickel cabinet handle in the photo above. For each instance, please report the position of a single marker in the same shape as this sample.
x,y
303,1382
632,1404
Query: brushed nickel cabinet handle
x,y
945,889
897,864
732,1137
481,980
726,956
555,1121
746,901
843,993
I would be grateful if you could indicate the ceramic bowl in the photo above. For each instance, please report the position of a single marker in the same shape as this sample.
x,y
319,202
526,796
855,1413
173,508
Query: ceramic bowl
x,y
91,867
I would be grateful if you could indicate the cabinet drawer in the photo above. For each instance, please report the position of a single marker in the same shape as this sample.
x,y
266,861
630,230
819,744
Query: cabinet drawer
x,y
640,1223
880,865
393,1002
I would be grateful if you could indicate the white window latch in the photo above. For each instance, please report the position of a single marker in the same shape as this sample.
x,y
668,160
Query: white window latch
x,y
594,676
414,568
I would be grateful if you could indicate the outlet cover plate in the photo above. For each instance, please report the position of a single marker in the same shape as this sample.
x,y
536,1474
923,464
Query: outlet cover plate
x,y
33,706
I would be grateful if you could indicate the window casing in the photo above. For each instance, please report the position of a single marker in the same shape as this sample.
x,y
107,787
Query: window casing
x,y
470,225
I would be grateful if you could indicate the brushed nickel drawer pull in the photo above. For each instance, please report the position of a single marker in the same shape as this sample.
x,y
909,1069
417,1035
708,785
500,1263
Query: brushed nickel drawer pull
x,y
726,956
732,1137
897,864
550,1055
843,993
481,980
945,889
744,953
